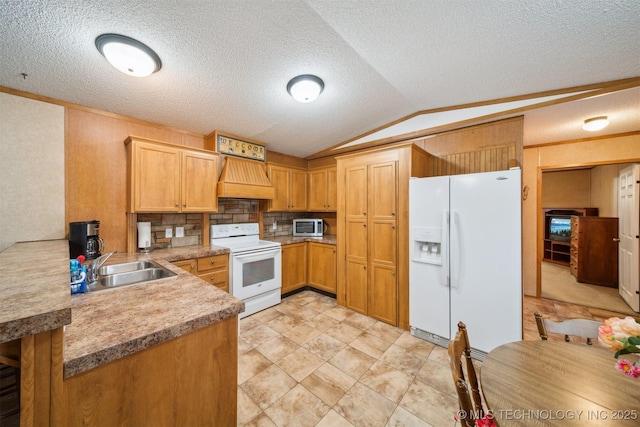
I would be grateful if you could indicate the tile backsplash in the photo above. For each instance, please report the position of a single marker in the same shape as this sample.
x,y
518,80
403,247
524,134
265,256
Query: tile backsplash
x,y
230,211
192,224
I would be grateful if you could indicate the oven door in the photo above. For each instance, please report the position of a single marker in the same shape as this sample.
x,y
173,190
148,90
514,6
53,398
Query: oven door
x,y
255,272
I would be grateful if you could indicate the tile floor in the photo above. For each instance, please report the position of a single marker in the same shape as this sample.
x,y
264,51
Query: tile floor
x,y
310,362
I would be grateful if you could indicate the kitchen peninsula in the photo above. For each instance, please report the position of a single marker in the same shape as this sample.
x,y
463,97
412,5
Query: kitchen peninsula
x,y
157,353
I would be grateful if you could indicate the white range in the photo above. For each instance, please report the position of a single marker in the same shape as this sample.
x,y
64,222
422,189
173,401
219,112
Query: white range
x,y
255,272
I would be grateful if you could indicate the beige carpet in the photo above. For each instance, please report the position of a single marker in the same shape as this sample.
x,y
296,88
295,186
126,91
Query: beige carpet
x,y
558,284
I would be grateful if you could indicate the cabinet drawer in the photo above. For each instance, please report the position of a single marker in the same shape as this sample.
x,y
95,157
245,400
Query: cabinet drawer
x,y
210,263
187,265
218,278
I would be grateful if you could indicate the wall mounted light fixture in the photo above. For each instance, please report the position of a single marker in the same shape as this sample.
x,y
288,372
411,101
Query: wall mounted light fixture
x,y
595,123
128,55
305,88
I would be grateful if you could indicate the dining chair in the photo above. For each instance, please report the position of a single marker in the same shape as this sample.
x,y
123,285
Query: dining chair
x,y
460,360
582,328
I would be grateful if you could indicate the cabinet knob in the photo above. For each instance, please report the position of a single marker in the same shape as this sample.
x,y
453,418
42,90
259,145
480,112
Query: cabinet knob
x,y
212,262
212,277
193,266
393,214
364,213
184,205
393,273
364,225
177,204
364,267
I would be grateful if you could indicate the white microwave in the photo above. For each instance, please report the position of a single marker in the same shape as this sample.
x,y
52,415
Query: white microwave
x,y
308,227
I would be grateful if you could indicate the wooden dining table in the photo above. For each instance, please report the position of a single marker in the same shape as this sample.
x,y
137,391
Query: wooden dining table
x,y
551,383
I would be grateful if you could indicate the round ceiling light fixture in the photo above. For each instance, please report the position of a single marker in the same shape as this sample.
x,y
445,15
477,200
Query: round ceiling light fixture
x,y
305,88
128,55
595,123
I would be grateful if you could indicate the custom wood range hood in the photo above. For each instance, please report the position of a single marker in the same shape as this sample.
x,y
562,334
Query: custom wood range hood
x,y
244,179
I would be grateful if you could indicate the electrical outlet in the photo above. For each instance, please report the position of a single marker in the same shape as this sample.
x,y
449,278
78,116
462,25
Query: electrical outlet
x,y
168,233
179,231
275,224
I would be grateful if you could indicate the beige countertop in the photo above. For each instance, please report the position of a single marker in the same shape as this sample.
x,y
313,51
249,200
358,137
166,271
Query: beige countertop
x,y
110,324
34,288
329,239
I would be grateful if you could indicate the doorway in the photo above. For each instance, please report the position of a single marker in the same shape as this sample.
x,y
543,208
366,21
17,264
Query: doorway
x,y
592,186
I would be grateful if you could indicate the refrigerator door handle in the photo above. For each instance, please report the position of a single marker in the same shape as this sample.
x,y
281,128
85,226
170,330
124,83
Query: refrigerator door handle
x,y
455,250
444,249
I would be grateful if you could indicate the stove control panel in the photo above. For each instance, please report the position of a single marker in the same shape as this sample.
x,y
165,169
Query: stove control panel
x,y
234,230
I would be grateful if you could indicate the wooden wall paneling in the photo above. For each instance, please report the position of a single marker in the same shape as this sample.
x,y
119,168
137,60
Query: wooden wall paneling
x,y
95,168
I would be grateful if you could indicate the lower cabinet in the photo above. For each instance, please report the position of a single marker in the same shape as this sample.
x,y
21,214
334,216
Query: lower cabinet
x,y
294,266
322,266
212,269
309,263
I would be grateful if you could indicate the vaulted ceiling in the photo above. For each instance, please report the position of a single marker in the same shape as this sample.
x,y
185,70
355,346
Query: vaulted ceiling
x,y
226,63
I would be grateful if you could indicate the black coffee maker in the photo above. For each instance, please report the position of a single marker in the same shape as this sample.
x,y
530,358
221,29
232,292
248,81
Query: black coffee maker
x,y
84,239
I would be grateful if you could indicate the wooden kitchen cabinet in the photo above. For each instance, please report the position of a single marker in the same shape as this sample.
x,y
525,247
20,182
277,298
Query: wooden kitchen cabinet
x,y
215,270
321,268
294,266
323,193
371,211
167,178
290,186
189,265
212,269
594,250
373,230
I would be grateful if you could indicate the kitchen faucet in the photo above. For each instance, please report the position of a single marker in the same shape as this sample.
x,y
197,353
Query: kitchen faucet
x,y
92,271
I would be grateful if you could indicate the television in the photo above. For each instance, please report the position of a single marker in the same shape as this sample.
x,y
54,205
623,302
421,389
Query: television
x,y
560,228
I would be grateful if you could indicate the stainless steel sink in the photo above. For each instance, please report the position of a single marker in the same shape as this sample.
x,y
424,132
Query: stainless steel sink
x,y
127,266
129,273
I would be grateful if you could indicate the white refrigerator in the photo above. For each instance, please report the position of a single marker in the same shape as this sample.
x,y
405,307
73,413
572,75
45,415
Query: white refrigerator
x,y
466,258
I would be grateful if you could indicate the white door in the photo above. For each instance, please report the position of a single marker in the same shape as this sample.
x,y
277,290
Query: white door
x,y
629,229
428,282
486,262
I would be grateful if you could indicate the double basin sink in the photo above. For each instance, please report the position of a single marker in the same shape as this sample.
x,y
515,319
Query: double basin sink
x,y
129,273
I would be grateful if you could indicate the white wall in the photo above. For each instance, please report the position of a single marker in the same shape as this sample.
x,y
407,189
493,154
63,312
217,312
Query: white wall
x,y
31,170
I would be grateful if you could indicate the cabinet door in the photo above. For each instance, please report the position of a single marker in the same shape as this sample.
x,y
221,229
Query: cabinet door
x,y
332,189
317,190
322,266
156,178
188,265
383,192
199,181
298,190
279,177
383,293
356,192
294,266
356,286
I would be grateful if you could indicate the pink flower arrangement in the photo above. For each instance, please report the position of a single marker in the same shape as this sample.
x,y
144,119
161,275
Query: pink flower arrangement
x,y
628,368
623,337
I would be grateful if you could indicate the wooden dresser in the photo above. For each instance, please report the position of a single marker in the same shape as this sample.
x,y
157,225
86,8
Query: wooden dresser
x,y
594,250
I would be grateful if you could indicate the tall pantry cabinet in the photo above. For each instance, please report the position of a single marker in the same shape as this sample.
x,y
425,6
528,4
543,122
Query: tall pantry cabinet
x,y
372,219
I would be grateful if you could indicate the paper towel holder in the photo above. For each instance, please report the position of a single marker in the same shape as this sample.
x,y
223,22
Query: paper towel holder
x,y
144,237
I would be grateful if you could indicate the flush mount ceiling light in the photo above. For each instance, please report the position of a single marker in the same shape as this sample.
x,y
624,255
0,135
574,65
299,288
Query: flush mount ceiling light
x,y
305,88
595,123
128,55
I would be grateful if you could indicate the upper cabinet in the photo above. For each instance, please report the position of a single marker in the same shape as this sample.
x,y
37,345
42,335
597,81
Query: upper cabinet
x,y
168,178
290,188
322,190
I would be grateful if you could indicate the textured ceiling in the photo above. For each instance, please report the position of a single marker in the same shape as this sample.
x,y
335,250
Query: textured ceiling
x,y
226,63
